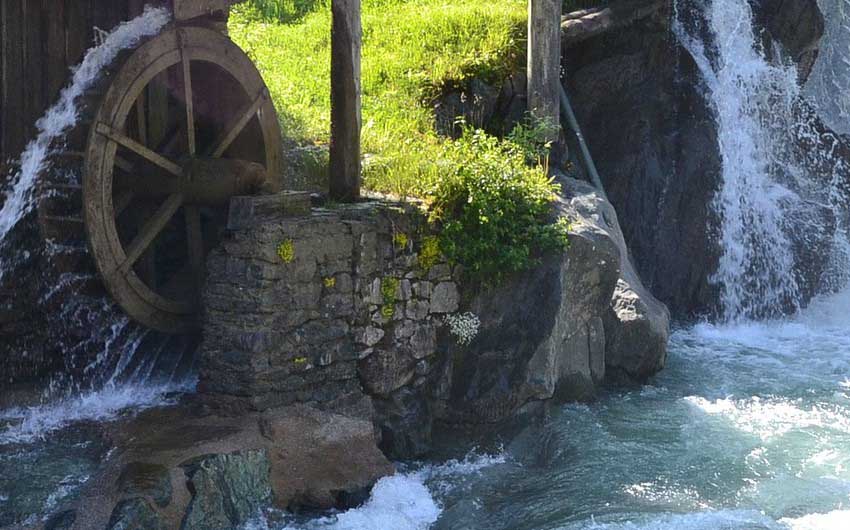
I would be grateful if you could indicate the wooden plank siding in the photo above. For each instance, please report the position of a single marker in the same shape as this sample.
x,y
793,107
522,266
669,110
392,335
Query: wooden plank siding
x,y
40,41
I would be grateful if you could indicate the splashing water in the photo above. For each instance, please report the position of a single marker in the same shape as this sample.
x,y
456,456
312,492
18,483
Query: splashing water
x,y
409,500
64,115
829,83
767,192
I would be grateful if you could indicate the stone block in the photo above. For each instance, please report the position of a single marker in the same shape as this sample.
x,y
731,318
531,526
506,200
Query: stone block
x,y
446,298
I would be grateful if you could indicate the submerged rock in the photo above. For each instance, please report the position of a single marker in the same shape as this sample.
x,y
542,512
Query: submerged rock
x,y
227,489
184,467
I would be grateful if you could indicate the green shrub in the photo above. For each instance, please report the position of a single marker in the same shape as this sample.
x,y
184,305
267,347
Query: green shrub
x,y
492,210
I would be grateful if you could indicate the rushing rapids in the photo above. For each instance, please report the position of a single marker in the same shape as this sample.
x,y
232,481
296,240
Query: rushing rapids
x,y
747,428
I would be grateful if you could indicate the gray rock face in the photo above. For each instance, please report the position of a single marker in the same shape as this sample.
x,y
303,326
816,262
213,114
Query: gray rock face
x,y
551,332
636,324
227,489
654,140
797,25
639,99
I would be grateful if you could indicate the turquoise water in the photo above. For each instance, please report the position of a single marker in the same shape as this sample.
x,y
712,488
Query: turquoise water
x,y
747,428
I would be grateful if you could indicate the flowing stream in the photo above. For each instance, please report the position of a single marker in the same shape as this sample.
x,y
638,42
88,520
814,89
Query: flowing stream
x,y
748,427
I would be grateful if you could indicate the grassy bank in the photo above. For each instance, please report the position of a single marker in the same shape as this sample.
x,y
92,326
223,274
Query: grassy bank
x,y
412,49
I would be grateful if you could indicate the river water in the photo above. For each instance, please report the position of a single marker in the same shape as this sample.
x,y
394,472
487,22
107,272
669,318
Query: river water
x,y
748,427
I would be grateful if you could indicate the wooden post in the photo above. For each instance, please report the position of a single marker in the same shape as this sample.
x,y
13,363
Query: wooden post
x,y
544,61
344,178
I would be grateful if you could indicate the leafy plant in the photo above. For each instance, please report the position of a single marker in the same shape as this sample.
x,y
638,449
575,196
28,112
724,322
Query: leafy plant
x,y
493,211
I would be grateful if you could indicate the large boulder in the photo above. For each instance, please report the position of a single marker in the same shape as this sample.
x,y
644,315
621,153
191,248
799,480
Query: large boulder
x,y
797,26
186,467
654,140
553,331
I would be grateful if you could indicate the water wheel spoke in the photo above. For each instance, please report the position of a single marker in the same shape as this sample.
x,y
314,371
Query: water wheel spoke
x,y
187,93
139,149
121,201
148,232
141,119
237,125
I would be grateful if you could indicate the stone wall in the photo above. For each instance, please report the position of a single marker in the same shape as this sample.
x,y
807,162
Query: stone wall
x,y
331,306
317,307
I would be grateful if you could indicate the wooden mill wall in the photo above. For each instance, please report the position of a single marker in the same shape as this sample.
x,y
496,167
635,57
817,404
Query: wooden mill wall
x,y
40,40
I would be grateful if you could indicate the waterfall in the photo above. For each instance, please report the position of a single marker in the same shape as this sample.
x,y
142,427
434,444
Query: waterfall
x,y
770,203
64,115
829,84
109,361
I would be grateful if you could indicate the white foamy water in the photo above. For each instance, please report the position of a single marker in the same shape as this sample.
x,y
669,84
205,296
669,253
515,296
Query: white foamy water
x,y
770,200
829,83
752,101
409,500
64,114
32,423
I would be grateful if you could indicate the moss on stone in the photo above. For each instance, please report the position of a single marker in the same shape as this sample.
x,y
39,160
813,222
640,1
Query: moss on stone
x,y
429,253
286,251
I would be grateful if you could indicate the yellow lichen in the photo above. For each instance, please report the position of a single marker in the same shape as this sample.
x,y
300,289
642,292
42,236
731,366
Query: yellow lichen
x,y
400,239
330,282
429,254
389,286
300,361
286,251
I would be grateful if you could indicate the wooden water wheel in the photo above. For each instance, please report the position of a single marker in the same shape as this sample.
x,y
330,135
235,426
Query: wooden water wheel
x,y
182,123
186,124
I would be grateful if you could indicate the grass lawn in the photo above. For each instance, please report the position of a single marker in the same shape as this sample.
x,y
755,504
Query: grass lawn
x,y
412,51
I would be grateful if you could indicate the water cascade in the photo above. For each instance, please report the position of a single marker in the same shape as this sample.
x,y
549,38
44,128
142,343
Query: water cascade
x,y
98,344
768,195
64,114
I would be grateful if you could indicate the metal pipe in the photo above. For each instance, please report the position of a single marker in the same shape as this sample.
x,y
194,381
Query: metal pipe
x,y
569,116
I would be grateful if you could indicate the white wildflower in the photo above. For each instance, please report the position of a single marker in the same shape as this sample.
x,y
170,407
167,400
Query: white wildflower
x,y
464,326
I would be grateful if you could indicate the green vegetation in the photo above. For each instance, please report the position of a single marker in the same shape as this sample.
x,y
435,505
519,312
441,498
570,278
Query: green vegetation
x,y
493,209
489,198
412,51
389,287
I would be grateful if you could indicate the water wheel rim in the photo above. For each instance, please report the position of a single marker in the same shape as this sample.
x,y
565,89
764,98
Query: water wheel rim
x,y
175,46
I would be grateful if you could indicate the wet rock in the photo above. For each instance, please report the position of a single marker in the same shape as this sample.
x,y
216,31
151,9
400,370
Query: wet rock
x,y
405,422
320,459
226,489
185,467
147,480
797,25
135,514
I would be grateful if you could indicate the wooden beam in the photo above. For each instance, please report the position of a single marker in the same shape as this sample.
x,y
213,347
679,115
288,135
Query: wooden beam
x,y
346,119
579,26
544,62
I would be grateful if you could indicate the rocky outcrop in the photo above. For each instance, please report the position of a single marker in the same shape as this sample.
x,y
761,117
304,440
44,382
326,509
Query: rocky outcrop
x,y
797,26
653,138
351,304
186,468
554,331
639,99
